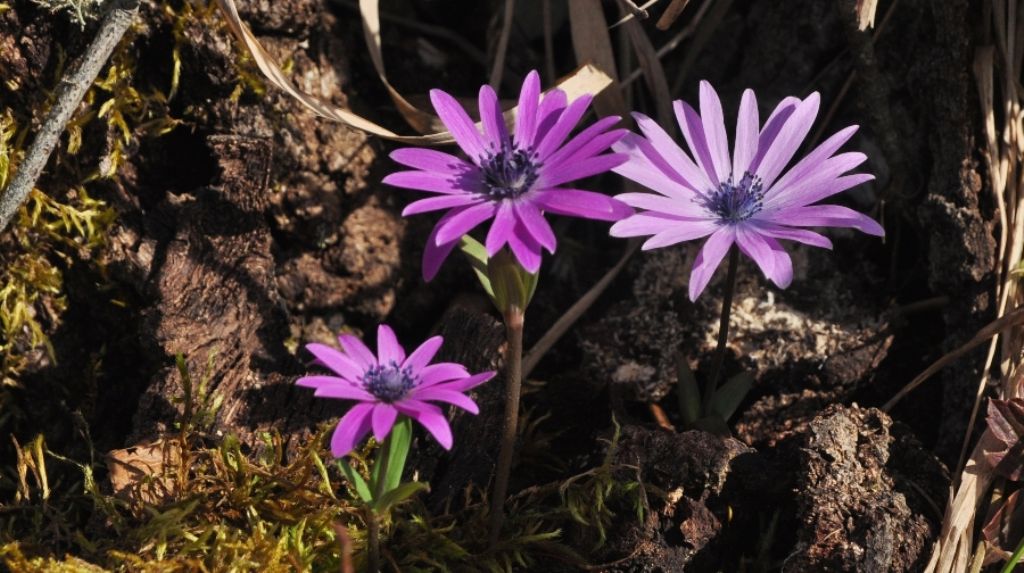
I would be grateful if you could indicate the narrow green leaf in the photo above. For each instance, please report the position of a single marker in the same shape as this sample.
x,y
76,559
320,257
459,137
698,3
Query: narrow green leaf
x,y
688,392
398,443
357,481
728,397
477,255
397,495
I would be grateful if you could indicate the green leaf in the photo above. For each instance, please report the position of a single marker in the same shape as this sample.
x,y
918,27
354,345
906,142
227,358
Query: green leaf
x,y
397,495
687,391
393,454
477,255
357,481
728,397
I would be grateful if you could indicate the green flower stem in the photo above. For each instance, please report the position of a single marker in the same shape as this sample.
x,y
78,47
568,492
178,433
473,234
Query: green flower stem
x,y
723,332
379,489
1011,563
514,318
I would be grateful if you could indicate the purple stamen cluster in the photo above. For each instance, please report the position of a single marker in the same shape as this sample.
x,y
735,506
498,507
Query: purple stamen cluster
x,y
389,383
509,173
735,202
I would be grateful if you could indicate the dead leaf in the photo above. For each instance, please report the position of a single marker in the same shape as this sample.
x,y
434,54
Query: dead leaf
x,y
592,43
671,14
1006,422
1004,528
144,473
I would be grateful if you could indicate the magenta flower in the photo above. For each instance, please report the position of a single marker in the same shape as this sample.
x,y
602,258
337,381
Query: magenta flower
x,y
510,178
388,385
742,199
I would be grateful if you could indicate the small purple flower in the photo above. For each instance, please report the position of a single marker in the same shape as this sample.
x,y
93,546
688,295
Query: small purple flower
x,y
742,199
510,178
390,384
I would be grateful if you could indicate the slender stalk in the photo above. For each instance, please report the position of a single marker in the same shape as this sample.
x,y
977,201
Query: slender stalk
x,y
1014,559
723,331
513,385
373,523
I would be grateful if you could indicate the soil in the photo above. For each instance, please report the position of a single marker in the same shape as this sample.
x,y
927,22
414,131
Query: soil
x,y
254,228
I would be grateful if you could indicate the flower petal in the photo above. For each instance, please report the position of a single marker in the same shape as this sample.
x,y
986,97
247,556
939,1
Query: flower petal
x,y
677,164
340,389
826,216
383,419
493,121
501,228
470,382
579,203
438,203
430,160
782,275
789,139
423,354
647,167
710,256
693,131
713,121
462,128
578,170
683,231
552,104
526,113
357,351
755,247
747,123
790,234
335,360
446,183
568,119
771,130
352,427
430,417
441,372
388,349
463,222
687,208
534,222
591,141
646,223
525,248
813,160
443,394
820,184
433,253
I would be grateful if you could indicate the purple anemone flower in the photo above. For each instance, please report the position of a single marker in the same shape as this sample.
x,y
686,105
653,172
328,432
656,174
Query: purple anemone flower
x,y
511,178
748,199
390,384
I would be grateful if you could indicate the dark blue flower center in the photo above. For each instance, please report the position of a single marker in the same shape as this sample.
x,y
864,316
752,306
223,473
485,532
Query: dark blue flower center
x,y
389,382
734,202
509,173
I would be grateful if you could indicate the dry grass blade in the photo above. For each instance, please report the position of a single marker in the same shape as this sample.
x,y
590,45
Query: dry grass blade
x,y
634,11
866,13
592,43
585,80
1015,318
671,14
506,31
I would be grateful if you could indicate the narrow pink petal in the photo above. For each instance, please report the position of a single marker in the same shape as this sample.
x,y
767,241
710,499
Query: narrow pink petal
x,y
534,222
817,184
789,139
352,427
463,222
526,113
747,124
431,160
443,394
383,419
790,234
495,132
579,203
388,349
782,275
342,390
438,203
755,247
826,216
714,130
501,228
552,104
813,160
591,141
445,183
442,372
464,384
683,231
568,119
693,131
357,351
462,128
578,170
434,254
710,256
778,118
423,354
647,223
680,207
526,250
676,160
430,417
335,360
648,168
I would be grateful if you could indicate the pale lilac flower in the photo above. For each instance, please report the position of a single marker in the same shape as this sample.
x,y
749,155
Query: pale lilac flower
x,y
388,385
746,199
511,178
